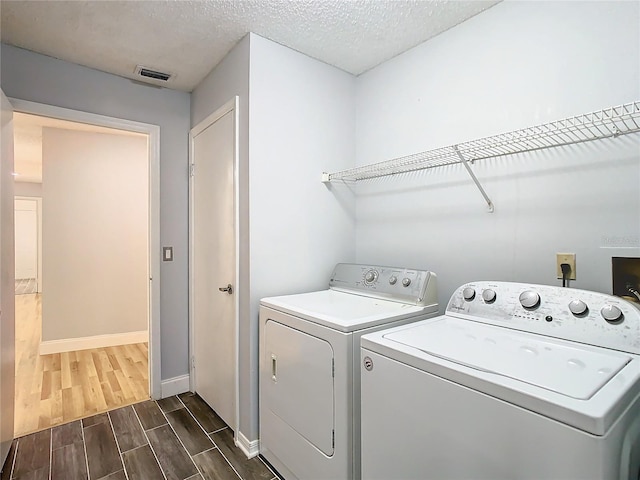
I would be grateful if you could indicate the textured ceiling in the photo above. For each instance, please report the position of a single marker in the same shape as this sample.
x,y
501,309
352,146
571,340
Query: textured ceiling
x,y
189,38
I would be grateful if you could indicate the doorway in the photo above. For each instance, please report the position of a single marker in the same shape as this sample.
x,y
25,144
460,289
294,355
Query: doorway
x,y
27,215
213,229
81,375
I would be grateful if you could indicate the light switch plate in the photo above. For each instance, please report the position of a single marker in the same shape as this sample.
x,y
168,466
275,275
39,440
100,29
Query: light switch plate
x,y
167,254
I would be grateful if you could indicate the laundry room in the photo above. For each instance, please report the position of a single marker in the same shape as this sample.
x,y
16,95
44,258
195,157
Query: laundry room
x,y
300,122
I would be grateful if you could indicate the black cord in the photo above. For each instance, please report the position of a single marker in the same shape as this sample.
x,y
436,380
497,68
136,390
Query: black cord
x,y
566,269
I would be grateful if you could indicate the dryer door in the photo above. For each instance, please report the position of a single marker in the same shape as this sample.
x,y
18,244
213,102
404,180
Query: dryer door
x,y
300,389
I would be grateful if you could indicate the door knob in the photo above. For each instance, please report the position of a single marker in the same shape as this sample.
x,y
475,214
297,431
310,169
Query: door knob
x,y
228,289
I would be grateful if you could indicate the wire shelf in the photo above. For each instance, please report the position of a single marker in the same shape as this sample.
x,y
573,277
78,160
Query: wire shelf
x,y
607,123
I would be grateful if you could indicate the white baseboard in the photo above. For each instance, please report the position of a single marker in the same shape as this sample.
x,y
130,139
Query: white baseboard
x,y
174,386
97,341
249,448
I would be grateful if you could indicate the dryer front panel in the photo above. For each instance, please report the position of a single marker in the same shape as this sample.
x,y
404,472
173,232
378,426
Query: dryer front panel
x,y
300,387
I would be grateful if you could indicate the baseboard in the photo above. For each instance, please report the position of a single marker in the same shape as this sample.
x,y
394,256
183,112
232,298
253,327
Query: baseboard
x,y
174,386
97,341
249,448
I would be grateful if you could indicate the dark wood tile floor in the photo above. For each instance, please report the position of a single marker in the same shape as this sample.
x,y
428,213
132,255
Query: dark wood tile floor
x,y
176,438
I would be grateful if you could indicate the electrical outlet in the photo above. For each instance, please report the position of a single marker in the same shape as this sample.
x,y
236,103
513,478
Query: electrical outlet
x,y
569,258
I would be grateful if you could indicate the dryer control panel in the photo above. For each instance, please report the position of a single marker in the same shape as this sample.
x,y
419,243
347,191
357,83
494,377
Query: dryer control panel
x,y
571,314
416,287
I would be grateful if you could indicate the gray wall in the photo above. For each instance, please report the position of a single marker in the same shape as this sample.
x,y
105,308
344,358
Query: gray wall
x,y
37,78
515,65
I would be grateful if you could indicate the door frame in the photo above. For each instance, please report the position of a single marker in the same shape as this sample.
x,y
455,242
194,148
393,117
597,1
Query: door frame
x,y
38,201
231,106
153,261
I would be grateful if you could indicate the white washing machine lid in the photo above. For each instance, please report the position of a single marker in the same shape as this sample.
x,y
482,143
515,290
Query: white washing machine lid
x,y
580,385
345,312
561,367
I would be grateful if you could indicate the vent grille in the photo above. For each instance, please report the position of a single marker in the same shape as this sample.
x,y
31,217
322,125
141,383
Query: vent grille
x,y
153,74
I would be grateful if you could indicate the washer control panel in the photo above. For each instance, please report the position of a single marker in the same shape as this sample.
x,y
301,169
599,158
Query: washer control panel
x,y
417,287
578,315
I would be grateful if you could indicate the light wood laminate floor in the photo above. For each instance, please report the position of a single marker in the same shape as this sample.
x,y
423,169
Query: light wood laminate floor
x,y
57,388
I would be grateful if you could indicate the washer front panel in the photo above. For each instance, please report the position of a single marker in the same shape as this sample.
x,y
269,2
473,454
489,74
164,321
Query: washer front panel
x,y
567,313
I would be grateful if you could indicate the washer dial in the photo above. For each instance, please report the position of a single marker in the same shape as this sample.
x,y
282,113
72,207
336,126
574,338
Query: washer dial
x,y
529,299
406,282
468,294
393,279
611,313
577,307
489,295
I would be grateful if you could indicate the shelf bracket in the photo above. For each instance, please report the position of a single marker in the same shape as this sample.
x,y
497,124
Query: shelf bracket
x,y
464,161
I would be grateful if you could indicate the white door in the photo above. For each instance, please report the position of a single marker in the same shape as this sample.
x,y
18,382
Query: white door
x,y
213,264
26,238
7,282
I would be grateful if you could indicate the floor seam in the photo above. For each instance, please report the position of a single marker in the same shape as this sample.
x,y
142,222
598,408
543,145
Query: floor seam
x,y
180,440
135,412
115,437
50,453
84,446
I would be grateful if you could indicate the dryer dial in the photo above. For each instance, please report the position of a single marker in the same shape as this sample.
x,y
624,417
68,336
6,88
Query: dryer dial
x,y
529,299
577,307
611,313
406,282
371,276
393,279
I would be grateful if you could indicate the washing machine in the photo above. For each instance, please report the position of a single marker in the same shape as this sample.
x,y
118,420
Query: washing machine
x,y
309,364
514,381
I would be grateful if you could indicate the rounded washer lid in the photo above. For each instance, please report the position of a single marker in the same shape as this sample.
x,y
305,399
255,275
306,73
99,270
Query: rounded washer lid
x,y
342,311
561,367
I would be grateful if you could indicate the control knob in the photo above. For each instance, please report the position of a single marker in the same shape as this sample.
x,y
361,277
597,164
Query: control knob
x,y
371,276
489,295
577,307
611,313
468,294
406,282
393,279
529,299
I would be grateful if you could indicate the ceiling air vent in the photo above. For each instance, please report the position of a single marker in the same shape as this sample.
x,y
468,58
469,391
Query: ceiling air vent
x,y
152,74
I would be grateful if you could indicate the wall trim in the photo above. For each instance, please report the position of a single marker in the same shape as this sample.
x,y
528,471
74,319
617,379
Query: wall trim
x,y
97,341
175,386
249,448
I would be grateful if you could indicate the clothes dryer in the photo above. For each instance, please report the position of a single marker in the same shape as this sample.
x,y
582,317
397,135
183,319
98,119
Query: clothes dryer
x,y
309,364
515,381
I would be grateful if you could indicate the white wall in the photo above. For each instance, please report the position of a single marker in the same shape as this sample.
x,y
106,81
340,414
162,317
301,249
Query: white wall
x,y
228,79
302,117
94,234
27,189
515,65
38,78
296,120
